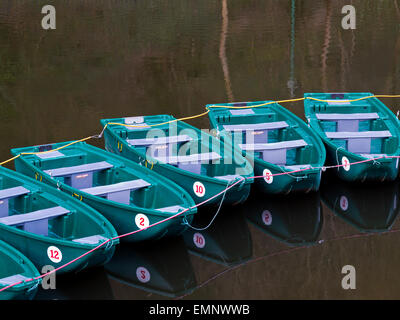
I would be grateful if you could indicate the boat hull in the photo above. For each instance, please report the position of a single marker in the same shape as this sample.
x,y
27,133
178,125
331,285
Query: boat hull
x,y
385,169
37,251
285,183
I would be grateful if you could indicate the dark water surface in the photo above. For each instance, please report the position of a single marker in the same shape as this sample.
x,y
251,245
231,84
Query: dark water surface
x,y
113,58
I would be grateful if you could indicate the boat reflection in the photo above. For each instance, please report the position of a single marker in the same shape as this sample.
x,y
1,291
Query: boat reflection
x,y
295,220
367,207
90,284
227,241
161,267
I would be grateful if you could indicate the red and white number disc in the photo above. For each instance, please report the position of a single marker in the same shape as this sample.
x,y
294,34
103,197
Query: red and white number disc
x,y
344,203
199,189
268,177
143,274
142,221
54,254
346,163
266,217
199,240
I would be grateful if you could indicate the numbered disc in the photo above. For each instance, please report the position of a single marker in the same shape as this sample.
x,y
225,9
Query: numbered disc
x,y
268,177
142,221
346,163
266,217
143,274
199,189
344,203
54,254
199,240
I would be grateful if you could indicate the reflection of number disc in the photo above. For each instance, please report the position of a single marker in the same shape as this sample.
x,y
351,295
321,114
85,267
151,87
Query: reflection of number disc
x,y
345,163
268,176
141,221
199,240
344,203
199,189
54,254
266,217
143,274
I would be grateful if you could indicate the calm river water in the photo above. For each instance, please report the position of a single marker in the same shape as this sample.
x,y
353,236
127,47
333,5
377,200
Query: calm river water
x,y
113,58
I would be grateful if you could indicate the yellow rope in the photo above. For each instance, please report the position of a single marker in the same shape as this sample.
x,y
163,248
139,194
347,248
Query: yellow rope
x,y
40,152
198,116
11,159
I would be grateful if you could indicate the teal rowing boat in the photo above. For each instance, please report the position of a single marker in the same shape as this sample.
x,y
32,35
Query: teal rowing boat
x,y
15,267
295,220
356,131
49,227
281,146
130,196
194,159
364,206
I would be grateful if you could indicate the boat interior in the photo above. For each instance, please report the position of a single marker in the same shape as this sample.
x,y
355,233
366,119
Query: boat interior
x,y
27,207
270,135
356,126
182,146
108,178
10,270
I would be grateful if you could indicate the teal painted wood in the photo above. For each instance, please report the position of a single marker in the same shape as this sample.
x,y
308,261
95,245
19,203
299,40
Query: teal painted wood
x,y
287,127
13,262
123,216
363,206
231,162
81,222
295,220
338,150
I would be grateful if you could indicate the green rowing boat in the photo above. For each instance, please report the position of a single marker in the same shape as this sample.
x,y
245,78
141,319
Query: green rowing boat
x,y
130,196
15,267
281,146
192,158
49,227
356,131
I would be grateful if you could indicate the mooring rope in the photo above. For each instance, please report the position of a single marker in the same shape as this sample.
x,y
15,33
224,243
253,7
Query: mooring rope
x,y
185,222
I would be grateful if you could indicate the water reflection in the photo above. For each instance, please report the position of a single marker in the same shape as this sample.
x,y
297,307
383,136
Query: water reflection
x,y
90,284
295,220
163,268
227,241
369,208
